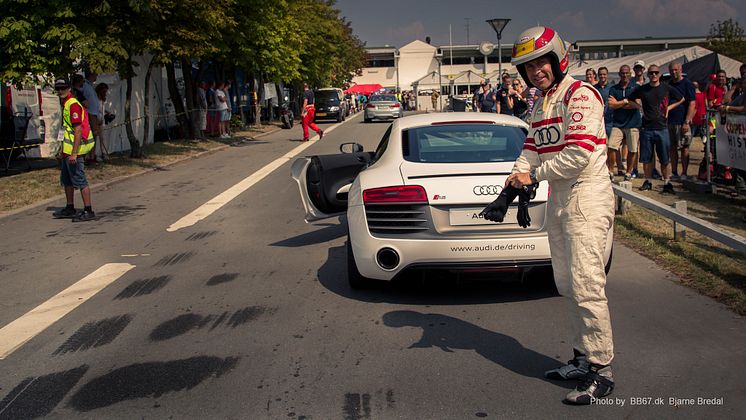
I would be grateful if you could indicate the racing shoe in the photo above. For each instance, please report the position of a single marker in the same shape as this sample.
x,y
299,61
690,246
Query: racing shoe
x,y
66,213
668,189
646,186
574,369
596,384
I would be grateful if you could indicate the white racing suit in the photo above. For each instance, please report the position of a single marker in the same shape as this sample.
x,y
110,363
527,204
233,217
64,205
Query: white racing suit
x,y
567,145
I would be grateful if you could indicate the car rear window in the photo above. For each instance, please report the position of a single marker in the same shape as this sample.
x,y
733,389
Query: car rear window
x,y
382,98
463,143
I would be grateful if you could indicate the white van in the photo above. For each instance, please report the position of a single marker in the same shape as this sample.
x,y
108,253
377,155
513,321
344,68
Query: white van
x,y
19,105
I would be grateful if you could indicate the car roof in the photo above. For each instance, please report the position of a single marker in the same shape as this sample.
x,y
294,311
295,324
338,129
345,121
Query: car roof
x,y
419,120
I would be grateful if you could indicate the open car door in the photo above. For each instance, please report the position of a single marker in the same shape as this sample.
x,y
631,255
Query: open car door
x,y
324,180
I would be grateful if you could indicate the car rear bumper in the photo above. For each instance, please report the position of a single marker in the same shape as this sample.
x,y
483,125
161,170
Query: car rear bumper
x,y
520,251
377,115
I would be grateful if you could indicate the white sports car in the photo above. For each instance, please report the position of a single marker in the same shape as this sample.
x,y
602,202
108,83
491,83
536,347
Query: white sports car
x,y
414,203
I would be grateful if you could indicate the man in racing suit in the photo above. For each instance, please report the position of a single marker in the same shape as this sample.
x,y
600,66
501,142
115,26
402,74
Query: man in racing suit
x,y
566,146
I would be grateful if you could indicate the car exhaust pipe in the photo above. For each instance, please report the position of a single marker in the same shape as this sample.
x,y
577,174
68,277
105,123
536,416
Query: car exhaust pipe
x,y
387,258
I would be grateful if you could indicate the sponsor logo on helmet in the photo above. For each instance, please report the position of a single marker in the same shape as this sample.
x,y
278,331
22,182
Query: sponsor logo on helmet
x,y
576,116
523,48
576,127
546,136
487,189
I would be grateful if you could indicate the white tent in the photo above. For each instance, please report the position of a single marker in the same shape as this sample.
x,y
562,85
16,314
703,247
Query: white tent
x,y
660,58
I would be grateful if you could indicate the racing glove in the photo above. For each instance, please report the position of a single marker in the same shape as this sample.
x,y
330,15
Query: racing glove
x,y
525,195
496,210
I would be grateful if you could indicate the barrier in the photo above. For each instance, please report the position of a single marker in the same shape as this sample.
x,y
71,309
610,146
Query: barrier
x,y
678,215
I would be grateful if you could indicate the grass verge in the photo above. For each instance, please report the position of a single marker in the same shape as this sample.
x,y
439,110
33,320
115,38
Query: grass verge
x,y
43,182
702,264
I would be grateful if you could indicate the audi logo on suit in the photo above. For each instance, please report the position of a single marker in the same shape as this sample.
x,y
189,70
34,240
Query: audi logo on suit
x,y
546,136
487,189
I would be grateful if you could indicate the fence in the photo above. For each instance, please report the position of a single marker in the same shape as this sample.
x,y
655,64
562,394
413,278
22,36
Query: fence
x,y
678,215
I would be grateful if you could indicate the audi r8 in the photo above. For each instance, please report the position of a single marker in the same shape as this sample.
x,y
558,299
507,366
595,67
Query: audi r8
x,y
415,202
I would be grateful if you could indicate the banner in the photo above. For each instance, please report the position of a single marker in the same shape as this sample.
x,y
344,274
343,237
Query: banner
x,y
731,141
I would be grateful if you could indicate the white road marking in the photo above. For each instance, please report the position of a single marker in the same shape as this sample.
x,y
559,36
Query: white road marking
x,y
23,329
226,196
135,255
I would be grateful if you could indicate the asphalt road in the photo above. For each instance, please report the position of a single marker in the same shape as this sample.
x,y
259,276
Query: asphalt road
x,y
247,314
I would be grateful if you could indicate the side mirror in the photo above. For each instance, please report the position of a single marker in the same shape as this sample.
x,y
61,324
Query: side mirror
x,y
350,147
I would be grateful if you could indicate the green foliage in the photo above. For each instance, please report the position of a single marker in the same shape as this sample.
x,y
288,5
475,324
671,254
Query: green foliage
x,y
281,40
727,38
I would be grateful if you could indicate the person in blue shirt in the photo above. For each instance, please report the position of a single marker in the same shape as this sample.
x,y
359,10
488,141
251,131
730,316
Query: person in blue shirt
x,y
603,88
625,122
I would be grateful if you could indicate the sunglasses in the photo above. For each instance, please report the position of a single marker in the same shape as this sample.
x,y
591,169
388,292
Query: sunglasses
x,y
654,73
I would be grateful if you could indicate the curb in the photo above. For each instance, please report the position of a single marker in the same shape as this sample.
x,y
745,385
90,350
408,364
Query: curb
x,y
104,185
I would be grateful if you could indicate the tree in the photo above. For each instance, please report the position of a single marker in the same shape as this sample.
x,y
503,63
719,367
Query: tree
x,y
727,38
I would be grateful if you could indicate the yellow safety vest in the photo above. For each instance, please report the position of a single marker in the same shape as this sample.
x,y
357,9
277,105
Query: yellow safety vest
x,y
86,141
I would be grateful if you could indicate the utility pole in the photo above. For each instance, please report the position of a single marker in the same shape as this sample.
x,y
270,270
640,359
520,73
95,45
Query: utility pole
x,y
467,30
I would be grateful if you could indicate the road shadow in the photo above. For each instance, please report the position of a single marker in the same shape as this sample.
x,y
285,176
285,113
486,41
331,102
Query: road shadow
x,y
448,334
431,287
327,233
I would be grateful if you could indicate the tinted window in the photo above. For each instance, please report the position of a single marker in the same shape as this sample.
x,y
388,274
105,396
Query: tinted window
x,y
462,143
388,98
327,96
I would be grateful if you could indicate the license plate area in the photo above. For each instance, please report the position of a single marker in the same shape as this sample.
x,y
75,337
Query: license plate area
x,y
321,114
470,217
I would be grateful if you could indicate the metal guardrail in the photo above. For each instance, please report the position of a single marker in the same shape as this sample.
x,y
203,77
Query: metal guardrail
x,y
679,217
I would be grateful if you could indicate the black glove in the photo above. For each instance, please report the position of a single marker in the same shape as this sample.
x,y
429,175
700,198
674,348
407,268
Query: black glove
x,y
525,195
496,210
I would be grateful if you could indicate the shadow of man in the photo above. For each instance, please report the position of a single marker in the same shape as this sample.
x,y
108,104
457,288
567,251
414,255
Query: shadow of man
x,y
449,334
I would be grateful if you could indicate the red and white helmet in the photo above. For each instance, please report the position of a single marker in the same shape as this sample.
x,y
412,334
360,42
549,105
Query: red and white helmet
x,y
536,42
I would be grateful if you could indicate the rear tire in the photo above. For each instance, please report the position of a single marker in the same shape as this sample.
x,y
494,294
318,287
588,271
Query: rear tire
x,y
354,278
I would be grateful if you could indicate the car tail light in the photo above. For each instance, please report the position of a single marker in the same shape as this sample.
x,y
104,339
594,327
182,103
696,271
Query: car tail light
x,y
396,105
370,106
38,95
398,194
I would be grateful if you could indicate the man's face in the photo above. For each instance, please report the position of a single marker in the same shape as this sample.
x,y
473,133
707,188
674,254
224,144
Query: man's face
x,y
639,70
742,70
62,92
654,74
506,81
624,74
676,72
539,72
603,76
721,79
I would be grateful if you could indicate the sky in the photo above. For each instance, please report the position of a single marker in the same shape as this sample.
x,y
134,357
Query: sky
x,y
398,22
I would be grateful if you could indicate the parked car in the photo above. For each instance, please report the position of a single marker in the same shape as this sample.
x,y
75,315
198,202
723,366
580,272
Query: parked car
x,y
20,116
382,107
415,201
330,104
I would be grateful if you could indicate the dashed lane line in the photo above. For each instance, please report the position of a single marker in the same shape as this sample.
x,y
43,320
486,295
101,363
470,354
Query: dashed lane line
x,y
226,196
23,329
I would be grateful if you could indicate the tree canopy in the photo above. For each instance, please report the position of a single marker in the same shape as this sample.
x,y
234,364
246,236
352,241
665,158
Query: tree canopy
x,y
727,38
281,40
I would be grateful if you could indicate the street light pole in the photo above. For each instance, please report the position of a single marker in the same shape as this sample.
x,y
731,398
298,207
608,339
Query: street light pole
x,y
498,25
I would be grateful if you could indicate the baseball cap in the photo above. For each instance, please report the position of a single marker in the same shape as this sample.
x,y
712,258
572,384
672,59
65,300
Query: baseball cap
x,y
61,84
639,63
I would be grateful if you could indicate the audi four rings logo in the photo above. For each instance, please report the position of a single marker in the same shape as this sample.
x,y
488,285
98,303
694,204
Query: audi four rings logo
x,y
546,136
487,189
